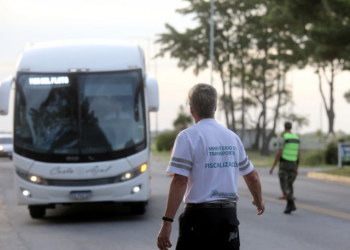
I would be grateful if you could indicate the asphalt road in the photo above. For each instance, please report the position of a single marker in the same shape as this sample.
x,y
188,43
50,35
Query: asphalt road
x,y
322,220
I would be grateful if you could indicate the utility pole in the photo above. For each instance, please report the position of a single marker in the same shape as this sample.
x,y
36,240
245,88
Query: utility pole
x,y
211,41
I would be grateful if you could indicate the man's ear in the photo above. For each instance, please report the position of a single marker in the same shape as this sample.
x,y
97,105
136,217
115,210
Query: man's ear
x,y
191,110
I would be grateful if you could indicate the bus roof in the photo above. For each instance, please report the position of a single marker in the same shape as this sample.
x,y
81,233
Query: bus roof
x,y
85,55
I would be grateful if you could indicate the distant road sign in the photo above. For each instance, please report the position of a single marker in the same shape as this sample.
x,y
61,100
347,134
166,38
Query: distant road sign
x,y
343,153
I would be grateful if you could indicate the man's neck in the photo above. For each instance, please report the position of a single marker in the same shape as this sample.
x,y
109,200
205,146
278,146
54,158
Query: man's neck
x,y
197,119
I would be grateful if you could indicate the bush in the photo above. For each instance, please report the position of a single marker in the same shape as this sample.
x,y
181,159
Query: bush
x,y
165,141
313,159
331,154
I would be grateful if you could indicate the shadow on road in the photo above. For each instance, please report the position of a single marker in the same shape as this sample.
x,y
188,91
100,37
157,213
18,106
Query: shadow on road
x,y
97,212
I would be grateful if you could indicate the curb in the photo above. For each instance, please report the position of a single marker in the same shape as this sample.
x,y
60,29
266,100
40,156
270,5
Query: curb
x,y
328,177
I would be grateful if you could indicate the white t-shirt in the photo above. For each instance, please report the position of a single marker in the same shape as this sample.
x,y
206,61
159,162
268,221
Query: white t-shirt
x,y
212,157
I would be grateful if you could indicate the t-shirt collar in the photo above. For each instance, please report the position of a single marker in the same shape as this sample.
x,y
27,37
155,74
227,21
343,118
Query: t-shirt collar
x,y
207,120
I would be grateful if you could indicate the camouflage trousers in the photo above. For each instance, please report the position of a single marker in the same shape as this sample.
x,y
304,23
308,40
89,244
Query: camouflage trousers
x,y
287,175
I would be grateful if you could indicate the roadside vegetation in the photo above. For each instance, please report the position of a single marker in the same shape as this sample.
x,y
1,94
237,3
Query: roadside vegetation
x,y
345,171
310,158
326,157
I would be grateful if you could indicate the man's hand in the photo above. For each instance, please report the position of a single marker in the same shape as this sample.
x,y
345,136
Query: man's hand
x,y
253,183
271,170
260,206
163,240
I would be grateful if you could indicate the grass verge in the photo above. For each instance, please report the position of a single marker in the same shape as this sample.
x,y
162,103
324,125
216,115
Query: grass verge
x,y
344,171
257,159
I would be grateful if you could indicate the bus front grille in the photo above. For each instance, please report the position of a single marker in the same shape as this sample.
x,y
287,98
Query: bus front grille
x,y
78,183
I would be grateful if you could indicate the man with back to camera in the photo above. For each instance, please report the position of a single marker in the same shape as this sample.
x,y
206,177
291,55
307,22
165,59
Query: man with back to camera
x,y
288,154
206,161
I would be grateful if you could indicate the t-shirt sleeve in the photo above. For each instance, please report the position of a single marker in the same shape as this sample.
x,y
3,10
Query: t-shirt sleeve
x,y
245,165
181,158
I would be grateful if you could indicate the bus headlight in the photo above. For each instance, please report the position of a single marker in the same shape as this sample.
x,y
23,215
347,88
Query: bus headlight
x,y
131,174
31,178
126,176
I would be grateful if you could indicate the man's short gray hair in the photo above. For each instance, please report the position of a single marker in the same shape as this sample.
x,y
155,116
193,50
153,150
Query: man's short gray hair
x,y
203,98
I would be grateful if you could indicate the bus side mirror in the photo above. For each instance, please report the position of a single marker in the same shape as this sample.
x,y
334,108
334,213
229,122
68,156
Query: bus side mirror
x,y
5,90
152,94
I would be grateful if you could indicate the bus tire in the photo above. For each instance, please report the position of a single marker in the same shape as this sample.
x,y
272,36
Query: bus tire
x,y
37,212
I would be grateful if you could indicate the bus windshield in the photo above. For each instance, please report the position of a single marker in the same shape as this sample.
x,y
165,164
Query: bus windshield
x,y
91,116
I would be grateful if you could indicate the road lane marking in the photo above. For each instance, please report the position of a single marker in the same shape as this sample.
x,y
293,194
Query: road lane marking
x,y
307,207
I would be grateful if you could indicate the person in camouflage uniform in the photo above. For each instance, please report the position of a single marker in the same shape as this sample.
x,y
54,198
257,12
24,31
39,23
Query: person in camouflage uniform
x,y
288,155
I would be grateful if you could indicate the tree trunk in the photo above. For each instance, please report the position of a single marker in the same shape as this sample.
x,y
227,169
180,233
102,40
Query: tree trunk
x,y
224,100
265,147
243,102
329,110
263,131
232,104
258,133
331,115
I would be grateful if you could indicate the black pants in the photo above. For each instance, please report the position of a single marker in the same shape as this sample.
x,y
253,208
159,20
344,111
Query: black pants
x,y
208,229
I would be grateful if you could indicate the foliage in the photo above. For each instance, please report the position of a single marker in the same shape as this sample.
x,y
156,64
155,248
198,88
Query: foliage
x,y
331,154
254,48
298,120
256,43
316,158
182,121
165,141
326,38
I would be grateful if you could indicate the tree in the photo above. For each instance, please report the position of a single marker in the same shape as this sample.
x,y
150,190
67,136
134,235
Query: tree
x,y
254,49
165,141
300,121
192,46
276,51
326,37
182,121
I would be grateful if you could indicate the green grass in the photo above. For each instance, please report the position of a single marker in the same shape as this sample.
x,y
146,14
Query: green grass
x,y
259,160
162,155
344,171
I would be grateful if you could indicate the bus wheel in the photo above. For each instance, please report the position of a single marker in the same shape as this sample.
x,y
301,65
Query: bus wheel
x,y
138,208
37,212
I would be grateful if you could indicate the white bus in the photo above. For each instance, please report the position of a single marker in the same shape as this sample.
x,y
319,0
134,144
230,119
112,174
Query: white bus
x,y
81,124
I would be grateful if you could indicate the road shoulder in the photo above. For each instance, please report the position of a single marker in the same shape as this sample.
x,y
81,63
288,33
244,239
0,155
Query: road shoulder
x,y
328,177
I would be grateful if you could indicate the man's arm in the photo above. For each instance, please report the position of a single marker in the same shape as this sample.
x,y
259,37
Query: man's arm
x,y
176,193
277,158
253,182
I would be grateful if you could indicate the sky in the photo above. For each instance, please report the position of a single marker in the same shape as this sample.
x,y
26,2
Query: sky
x,y
141,21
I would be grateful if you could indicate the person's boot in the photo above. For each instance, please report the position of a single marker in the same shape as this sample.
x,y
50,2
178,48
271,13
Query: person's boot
x,y
288,209
292,205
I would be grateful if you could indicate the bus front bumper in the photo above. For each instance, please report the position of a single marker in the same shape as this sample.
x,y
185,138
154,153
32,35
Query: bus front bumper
x,y
134,190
